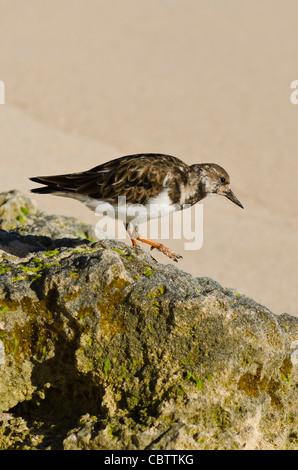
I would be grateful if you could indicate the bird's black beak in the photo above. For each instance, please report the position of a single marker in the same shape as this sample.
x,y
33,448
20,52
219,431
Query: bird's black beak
x,y
230,195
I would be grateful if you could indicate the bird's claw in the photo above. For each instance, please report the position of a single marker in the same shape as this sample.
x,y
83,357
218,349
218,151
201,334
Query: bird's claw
x,y
167,252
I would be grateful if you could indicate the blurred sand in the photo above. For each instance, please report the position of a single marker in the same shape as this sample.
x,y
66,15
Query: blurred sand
x,y
207,81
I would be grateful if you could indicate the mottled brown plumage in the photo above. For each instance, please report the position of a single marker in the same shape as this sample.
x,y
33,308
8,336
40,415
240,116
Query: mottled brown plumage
x,y
147,179
137,177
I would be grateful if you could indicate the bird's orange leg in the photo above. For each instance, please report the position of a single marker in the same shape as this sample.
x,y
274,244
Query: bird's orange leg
x,y
132,235
135,237
134,242
160,247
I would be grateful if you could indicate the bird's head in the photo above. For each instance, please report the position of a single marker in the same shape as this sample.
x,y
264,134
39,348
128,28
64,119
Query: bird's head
x,y
216,181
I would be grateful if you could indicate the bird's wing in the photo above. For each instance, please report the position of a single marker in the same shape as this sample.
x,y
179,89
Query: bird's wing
x,y
135,177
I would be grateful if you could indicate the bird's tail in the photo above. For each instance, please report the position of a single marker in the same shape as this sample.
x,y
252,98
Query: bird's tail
x,y
44,189
53,184
67,185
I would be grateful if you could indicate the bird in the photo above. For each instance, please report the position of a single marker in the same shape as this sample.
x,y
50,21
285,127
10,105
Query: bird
x,y
158,183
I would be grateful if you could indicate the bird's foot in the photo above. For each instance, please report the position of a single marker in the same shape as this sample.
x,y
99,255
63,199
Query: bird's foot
x,y
136,237
167,252
160,247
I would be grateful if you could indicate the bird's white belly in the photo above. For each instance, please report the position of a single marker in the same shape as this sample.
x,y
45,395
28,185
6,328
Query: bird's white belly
x,y
161,205
156,207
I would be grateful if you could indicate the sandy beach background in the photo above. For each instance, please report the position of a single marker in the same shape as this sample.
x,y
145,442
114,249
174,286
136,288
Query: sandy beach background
x,y
204,80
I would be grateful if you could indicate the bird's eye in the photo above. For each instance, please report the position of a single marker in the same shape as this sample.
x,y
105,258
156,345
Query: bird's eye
x,y
223,180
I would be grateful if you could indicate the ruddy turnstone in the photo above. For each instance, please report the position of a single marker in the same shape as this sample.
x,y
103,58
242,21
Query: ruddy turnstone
x,y
158,183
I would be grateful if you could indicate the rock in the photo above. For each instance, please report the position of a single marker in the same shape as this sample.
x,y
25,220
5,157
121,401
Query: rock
x,y
101,347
